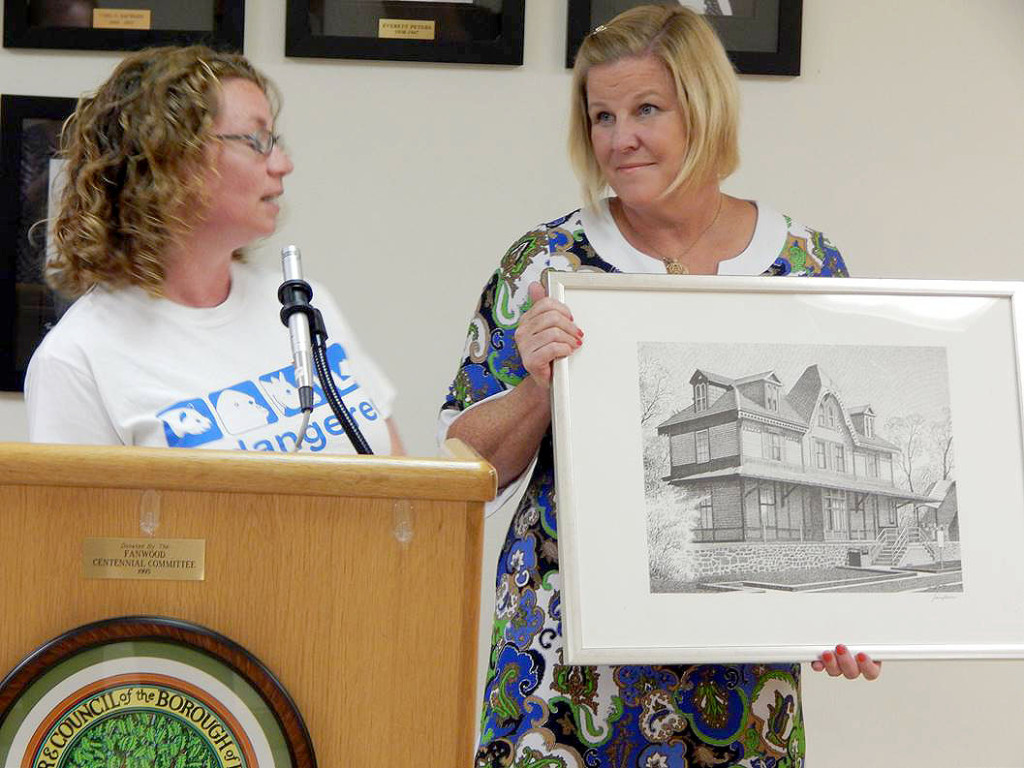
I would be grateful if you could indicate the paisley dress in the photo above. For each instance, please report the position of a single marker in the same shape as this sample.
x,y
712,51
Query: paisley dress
x,y
537,711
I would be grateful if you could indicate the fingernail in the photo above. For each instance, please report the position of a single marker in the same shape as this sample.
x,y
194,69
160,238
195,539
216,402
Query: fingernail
x,y
827,656
840,649
862,657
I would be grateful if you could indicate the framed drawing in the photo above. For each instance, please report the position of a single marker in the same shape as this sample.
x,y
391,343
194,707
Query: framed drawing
x,y
461,31
773,466
762,37
123,25
29,185
148,691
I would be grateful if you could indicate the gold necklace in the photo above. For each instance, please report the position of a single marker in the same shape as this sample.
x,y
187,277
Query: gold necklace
x,y
675,266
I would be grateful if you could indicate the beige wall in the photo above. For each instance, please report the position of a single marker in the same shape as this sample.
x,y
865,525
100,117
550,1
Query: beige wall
x,y
902,140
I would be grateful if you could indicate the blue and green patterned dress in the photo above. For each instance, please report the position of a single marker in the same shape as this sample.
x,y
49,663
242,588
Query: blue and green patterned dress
x,y
539,712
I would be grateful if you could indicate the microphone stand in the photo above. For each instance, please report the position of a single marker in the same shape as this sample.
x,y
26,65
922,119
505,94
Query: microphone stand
x,y
295,295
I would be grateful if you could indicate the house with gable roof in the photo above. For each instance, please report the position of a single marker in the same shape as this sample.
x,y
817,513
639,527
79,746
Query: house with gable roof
x,y
801,466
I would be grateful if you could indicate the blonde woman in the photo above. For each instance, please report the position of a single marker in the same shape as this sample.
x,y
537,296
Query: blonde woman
x,y
173,167
654,117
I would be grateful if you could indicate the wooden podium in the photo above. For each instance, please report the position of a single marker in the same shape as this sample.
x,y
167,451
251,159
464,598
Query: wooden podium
x,y
354,579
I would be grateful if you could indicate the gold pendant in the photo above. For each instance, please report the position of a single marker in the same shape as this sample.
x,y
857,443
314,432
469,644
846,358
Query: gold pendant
x,y
675,268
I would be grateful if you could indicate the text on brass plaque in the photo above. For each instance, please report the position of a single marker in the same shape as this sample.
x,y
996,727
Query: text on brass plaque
x,y
168,559
406,29
116,18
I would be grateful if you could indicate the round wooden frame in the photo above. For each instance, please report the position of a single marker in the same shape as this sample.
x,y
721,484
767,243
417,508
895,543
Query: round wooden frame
x,y
174,632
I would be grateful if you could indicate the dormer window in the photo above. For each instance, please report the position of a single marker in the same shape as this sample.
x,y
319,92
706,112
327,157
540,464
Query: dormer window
x,y
828,414
869,425
700,396
771,397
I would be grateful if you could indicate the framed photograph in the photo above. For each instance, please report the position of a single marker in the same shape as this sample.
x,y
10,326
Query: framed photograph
x,y
762,37
755,469
123,25
30,180
460,31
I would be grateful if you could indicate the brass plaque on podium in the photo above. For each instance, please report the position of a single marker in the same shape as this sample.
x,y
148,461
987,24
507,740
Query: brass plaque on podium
x,y
166,559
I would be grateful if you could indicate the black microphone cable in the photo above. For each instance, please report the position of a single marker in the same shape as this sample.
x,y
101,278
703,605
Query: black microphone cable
x,y
295,295
323,372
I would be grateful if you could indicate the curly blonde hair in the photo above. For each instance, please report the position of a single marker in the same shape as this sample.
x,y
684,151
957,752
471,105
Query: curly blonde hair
x,y
706,87
134,153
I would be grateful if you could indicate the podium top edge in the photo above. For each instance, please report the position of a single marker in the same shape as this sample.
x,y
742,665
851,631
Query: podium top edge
x,y
461,478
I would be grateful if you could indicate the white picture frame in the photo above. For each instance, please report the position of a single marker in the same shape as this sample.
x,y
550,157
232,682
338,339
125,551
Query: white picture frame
x,y
731,571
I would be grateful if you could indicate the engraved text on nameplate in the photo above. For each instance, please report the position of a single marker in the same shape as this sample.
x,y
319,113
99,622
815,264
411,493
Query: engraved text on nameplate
x,y
168,559
406,29
118,18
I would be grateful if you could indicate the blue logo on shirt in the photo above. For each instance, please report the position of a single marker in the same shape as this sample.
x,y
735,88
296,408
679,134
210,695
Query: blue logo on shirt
x,y
342,380
250,405
242,408
283,392
189,423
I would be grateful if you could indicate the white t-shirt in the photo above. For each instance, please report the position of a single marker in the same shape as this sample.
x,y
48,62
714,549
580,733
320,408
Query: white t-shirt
x,y
124,368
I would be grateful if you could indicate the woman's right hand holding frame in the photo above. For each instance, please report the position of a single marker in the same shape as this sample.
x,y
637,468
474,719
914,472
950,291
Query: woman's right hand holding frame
x,y
507,430
546,332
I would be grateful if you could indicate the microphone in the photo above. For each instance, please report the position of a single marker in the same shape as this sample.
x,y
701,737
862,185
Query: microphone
x,y
295,294
304,323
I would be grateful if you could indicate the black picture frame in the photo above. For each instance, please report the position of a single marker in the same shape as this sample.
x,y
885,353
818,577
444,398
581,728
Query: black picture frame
x,y
764,40
29,131
464,33
27,26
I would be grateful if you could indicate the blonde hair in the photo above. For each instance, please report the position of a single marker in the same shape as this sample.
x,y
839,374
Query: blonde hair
x,y
134,153
705,86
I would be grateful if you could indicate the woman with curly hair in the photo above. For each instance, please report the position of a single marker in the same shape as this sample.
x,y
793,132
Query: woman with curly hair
x,y
172,167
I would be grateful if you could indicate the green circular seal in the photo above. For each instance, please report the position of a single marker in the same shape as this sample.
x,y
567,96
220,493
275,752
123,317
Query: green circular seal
x,y
144,692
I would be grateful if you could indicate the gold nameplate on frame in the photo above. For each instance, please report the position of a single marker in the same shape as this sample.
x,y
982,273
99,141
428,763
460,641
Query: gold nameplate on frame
x,y
406,29
120,18
164,559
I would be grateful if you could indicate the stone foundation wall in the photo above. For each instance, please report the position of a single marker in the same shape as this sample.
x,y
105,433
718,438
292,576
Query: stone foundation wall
x,y
718,559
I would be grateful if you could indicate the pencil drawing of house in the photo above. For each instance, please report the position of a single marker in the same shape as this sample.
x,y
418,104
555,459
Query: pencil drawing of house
x,y
802,470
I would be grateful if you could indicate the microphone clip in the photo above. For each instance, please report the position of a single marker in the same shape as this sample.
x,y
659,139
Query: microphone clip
x,y
295,296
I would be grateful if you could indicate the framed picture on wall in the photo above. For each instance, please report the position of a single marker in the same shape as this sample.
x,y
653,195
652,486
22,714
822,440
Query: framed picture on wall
x,y
460,31
30,179
123,25
754,469
762,37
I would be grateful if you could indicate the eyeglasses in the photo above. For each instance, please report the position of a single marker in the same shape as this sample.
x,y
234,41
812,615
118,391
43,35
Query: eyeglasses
x,y
262,141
